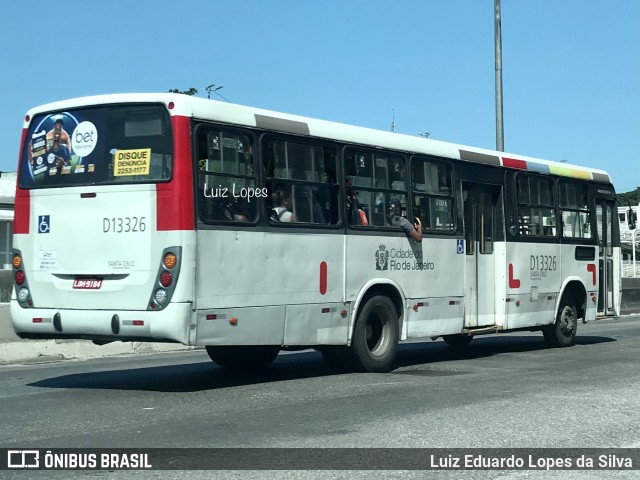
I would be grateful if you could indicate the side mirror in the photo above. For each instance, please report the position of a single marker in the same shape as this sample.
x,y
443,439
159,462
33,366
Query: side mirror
x,y
631,219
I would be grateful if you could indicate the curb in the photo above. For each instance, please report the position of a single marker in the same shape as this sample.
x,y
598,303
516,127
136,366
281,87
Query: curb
x,y
14,350
41,351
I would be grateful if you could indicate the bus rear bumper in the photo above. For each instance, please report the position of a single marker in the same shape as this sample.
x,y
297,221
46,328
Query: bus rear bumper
x,y
169,325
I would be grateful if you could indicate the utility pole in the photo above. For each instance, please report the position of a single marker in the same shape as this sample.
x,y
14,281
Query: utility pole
x,y
498,51
393,121
212,89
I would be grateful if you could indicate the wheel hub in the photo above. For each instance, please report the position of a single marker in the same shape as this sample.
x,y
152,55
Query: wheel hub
x,y
376,334
567,321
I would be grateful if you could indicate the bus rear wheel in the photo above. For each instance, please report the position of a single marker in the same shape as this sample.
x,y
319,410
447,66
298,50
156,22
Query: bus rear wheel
x,y
563,332
243,357
375,335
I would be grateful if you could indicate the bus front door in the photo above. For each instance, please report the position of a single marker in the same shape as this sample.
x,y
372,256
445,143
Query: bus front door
x,y
606,269
479,226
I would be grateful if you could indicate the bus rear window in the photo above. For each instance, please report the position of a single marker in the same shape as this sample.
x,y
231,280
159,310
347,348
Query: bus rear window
x,y
102,145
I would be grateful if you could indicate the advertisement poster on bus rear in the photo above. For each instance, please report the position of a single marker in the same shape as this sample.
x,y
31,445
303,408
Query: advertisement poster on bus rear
x,y
60,146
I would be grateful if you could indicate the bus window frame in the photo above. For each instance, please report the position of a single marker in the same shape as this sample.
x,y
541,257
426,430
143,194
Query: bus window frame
x,y
591,211
170,133
404,156
230,129
449,165
266,136
517,205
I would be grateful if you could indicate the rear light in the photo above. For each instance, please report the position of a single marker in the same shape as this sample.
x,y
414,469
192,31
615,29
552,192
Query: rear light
x,y
21,283
166,279
160,296
23,295
169,260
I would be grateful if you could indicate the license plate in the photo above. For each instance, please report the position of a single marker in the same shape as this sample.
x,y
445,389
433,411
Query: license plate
x,y
87,283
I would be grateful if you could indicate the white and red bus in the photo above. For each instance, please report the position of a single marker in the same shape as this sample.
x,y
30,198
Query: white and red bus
x,y
165,217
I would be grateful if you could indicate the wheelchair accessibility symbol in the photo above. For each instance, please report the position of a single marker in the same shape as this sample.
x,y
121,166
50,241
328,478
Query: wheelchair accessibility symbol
x,y
44,224
460,247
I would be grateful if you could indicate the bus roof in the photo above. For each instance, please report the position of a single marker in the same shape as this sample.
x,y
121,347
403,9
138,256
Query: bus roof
x,y
213,110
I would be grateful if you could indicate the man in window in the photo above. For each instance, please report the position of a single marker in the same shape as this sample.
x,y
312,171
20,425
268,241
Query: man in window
x,y
57,156
58,132
395,219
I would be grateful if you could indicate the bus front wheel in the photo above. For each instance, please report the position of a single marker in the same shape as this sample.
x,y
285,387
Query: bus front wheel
x,y
562,333
375,335
243,357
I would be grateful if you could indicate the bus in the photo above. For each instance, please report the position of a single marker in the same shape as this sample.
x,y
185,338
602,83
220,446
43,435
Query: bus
x,y
159,217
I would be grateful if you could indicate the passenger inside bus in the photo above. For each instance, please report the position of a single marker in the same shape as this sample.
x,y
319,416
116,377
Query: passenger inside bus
x,y
283,206
355,213
240,210
395,219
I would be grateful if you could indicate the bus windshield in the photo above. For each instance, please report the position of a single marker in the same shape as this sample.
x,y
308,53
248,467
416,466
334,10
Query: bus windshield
x,y
100,145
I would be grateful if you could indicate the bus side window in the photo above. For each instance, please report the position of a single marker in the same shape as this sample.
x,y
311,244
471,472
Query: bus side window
x,y
226,175
308,172
575,211
536,206
371,179
433,194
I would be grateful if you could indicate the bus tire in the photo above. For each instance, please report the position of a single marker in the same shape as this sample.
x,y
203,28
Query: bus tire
x,y
243,357
458,340
562,333
375,336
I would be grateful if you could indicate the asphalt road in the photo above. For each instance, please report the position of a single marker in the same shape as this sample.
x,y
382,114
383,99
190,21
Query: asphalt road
x,y
504,391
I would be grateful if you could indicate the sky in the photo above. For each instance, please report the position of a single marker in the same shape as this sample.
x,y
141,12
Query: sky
x,y
571,68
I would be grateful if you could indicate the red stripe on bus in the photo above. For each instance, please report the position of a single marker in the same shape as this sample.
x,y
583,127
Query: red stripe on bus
x,y
513,282
175,199
21,211
591,267
323,278
22,205
513,163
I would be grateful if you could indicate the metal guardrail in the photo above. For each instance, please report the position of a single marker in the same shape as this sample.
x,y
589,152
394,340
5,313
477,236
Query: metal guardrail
x,y
629,270
6,285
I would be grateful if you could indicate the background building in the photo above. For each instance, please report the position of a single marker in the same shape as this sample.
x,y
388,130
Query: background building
x,y
7,200
627,237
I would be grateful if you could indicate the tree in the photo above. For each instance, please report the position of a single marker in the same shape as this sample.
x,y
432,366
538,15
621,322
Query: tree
x,y
632,198
192,91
